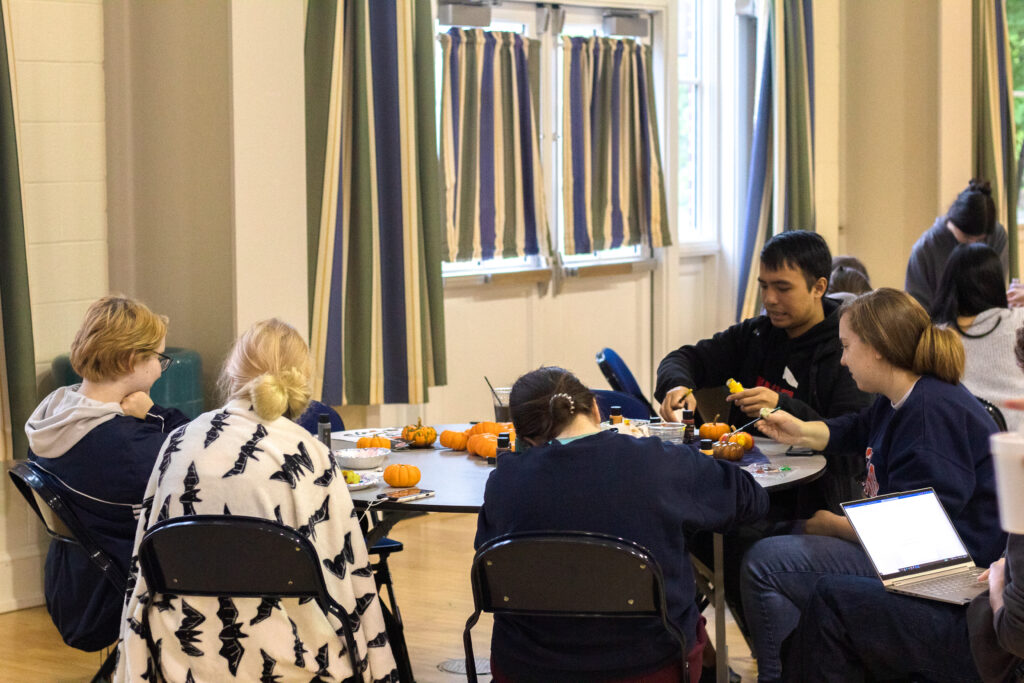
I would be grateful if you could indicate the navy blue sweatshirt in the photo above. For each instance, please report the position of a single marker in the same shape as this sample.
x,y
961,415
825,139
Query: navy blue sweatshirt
x,y
112,463
937,438
638,489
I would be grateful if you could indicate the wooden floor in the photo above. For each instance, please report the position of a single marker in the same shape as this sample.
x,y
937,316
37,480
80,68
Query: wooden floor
x,y
432,584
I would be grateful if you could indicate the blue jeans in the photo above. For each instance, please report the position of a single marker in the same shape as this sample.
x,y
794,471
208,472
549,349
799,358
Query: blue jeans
x,y
777,581
852,627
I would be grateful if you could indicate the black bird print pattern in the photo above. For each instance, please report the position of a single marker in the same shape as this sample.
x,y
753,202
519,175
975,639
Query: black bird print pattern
x,y
190,497
321,515
188,632
339,564
231,635
363,572
268,675
153,663
392,677
147,508
298,646
249,450
380,640
363,603
323,658
133,577
267,605
165,510
164,603
294,463
217,425
189,678
173,446
327,477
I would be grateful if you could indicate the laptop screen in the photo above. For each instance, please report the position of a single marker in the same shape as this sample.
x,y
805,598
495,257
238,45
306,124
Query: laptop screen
x,y
906,533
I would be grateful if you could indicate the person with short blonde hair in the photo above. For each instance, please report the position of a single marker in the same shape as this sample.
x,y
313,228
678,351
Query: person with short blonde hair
x,y
250,458
924,429
98,440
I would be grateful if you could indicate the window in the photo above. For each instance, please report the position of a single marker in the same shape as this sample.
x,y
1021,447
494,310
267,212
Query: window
x,y
692,198
1015,24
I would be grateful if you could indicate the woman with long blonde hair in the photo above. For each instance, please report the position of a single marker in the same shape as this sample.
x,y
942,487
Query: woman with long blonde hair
x,y
250,458
924,429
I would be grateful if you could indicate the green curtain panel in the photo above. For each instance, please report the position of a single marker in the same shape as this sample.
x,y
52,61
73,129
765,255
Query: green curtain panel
x,y
18,386
780,184
375,202
613,183
490,148
995,158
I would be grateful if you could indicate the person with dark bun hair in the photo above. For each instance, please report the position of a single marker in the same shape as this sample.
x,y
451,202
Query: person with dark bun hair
x,y
576,477
924,429
971,218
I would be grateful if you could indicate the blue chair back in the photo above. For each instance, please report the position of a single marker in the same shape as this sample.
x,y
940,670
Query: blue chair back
x,y
631,408
308,420
620,378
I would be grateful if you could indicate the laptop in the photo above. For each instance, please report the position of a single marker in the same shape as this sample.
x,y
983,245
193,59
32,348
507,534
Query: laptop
x,y
914,547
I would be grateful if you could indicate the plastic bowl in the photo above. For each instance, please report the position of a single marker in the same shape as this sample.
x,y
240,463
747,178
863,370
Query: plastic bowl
x,y
668,431
360,458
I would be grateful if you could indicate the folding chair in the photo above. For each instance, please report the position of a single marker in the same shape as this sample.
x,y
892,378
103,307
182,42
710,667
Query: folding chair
x,y
996,414
566,574
631,407
234,556
620,378
44,497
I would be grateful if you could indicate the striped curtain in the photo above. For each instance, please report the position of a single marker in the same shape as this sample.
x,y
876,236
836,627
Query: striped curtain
x,y
995,158
377,317
613,184
490,149
780,185
17,354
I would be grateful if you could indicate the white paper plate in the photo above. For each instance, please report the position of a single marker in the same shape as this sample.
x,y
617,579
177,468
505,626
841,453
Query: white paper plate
x,y
365,482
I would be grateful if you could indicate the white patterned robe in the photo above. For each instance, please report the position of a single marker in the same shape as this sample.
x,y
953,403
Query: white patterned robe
x,y
229,461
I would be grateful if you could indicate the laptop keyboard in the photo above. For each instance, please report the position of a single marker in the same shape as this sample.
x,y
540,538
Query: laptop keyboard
x,y
950,585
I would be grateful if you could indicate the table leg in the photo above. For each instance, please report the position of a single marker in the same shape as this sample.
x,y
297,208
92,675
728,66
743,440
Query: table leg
x,y
721,649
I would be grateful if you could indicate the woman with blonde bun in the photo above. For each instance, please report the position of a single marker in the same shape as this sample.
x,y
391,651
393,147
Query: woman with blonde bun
x,y
250,458
923,430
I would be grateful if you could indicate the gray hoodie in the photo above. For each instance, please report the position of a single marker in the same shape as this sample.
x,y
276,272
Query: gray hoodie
x,y
63,418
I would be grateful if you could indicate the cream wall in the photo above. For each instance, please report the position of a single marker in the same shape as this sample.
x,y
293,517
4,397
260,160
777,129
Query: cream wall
x,y
58,59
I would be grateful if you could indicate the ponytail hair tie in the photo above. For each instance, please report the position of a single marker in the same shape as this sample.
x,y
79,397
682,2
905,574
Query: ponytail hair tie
x,y
567,397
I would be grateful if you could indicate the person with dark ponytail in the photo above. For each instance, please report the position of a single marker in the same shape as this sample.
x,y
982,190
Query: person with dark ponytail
x,y
574,476
972,300
924,429
971,218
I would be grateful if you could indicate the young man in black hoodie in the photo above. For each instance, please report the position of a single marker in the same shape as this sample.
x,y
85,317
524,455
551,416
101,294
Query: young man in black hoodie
x,y
788,357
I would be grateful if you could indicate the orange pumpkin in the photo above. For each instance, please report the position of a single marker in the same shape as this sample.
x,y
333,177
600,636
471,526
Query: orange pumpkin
x,y
714,430
418,435
485,445
401,476
454,440
375,441
485,427
743,439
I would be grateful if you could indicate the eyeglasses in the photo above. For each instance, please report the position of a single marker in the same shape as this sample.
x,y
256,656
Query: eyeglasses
x,y
165,361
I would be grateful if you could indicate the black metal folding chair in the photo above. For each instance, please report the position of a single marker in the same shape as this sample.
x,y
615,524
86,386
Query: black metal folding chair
x,y
45,498
566,574
996,414
235,556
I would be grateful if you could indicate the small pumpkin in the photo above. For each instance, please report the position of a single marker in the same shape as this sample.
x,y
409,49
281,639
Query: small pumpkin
x,y
454,440
485,427
484,445
401,476
375,441
419,435
728,451
714,430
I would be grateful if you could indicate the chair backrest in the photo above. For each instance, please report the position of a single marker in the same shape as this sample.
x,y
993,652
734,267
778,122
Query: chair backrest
x,y
619,376
308,420
46,498
235,556
996,414
631,407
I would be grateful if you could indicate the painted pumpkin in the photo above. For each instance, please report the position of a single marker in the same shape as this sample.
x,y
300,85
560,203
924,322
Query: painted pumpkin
x,y
418,435
375,441
454,440
401,476
728,451
485,445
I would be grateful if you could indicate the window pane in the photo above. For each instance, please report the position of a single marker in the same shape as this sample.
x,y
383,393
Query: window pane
x,y
687,158
687,39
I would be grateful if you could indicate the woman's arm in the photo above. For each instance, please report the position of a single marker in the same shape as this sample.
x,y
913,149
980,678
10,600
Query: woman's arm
x,y
784,428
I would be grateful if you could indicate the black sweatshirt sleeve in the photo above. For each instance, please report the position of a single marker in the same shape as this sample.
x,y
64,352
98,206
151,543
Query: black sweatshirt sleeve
x,y
706,363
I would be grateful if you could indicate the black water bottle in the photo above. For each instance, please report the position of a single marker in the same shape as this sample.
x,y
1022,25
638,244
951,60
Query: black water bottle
x,y
323,429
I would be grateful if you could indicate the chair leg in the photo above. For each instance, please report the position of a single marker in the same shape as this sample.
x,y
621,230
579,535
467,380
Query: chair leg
x,y
382,575
467,643
106,671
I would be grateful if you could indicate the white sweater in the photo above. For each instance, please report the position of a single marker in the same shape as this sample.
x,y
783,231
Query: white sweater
x,y
991,370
